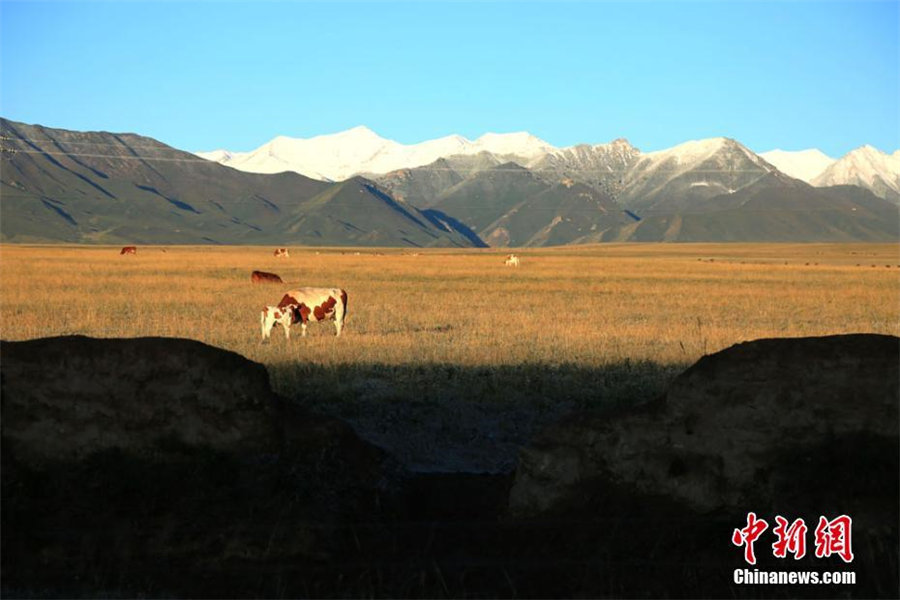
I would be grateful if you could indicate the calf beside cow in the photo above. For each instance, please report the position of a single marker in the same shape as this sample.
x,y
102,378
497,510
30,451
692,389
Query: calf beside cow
x,y
302,306
310,304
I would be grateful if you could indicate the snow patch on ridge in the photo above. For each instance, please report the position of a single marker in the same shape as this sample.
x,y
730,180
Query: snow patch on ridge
x,y
805,165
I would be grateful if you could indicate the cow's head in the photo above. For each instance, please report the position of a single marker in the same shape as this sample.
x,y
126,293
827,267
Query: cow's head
x,y
299,312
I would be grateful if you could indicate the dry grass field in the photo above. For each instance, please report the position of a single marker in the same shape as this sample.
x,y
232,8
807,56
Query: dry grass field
x,y
572,326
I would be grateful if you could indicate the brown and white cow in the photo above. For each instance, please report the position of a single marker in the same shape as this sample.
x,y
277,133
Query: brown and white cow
x,y
263,277
277,315
317,304
512,261
128,250
282,253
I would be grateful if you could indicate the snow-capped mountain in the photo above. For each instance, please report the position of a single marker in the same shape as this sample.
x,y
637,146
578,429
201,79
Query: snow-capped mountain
x,y
805,165
865,167
360,150
602,166
673,178
615,168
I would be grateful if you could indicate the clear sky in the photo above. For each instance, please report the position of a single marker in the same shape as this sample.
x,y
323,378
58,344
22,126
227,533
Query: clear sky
x,y
229,74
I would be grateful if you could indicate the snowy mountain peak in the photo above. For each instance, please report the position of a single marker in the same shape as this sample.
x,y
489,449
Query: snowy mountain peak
x,y
620,142
695,152
866,166
802,164
358,132
869,152
520,143
690,151
361,129
220,156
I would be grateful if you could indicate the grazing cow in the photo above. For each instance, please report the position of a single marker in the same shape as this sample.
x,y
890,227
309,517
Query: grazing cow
x,y
129,250
274,315
263,277
317,304
282,253
512,261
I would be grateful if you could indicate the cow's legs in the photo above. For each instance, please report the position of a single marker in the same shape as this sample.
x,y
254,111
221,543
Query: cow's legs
x,y
340,313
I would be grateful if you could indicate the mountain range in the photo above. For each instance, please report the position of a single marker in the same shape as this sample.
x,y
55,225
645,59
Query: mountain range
x,y
355,188
709,190
360,151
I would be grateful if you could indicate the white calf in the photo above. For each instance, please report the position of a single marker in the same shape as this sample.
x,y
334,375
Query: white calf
x,y
275,315
512,261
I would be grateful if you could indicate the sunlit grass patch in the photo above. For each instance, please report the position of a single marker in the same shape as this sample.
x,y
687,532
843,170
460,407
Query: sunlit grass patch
x,y
586,309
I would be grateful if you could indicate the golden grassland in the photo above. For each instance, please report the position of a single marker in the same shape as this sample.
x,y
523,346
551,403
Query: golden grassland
x,y
419,318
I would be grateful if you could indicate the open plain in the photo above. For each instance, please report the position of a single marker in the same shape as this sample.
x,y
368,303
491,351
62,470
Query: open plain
x,y
448,351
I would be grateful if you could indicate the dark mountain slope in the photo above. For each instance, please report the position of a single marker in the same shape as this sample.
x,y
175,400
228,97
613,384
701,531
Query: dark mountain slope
x,y
97,187
774,209
562,213
421,186
488,195
359,210
424,186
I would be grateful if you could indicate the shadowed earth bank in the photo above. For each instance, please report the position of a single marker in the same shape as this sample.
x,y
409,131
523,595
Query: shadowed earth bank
x,y
166,467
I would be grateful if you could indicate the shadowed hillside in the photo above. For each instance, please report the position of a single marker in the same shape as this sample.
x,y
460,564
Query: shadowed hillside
x,y
97,187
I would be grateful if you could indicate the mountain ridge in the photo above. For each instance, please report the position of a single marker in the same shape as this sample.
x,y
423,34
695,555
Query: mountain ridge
x,y
99,187
361,151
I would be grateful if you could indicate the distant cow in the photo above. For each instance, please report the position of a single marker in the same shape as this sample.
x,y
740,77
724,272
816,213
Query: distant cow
x,y
263,277
129,250
275,315
315,304
512,261
282,253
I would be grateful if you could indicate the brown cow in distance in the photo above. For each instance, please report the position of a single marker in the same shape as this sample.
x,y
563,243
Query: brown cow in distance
x,y
129,250
282,253
263,277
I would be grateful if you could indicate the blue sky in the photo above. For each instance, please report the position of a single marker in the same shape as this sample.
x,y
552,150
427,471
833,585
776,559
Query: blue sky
x,y
229,74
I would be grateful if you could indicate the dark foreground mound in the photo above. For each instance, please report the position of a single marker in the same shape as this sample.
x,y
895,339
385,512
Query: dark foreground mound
x,y
154,465
800,428
71,397
166,467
